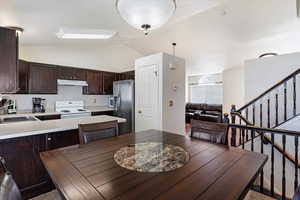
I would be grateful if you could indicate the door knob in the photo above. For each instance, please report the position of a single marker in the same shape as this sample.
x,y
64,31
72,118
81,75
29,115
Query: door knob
x,y
140,112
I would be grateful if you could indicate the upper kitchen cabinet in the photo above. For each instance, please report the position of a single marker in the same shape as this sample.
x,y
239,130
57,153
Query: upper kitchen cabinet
x,y
126,75
108,79
23,77
8,61
42,78
71,73
95,83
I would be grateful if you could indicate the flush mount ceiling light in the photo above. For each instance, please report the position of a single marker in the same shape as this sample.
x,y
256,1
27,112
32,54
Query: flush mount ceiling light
x,y
93,34
146,15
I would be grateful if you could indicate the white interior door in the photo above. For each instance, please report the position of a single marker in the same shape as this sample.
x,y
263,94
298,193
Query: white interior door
x,y
146,96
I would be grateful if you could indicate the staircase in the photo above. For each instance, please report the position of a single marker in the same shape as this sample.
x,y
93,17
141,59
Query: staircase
x,y
270,124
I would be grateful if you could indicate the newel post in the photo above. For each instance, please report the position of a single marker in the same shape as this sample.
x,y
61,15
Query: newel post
x,y
226,119
233,130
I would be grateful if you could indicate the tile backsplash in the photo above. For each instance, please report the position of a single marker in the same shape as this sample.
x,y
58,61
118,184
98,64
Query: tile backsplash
x,y
24,102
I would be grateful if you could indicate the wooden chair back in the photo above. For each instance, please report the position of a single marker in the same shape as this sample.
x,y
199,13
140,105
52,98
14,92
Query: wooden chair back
x,y
8,187
211,131
96,131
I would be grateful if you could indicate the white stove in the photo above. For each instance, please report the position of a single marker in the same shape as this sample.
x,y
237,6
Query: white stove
x,y
71,109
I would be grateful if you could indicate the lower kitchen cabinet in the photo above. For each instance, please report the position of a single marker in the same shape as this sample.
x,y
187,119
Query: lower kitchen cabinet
x,y
23,159
61,139
48,117
110,113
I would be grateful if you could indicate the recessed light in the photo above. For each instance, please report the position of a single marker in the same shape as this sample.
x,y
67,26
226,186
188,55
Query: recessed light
x,y
92,34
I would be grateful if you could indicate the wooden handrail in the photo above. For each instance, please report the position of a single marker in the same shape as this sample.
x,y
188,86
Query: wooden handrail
x,y
269,90
261,130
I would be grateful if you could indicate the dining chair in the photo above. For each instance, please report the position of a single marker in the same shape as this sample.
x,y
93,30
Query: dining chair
x,y
96,131
10,191
8,187
297,194
210,131
3,167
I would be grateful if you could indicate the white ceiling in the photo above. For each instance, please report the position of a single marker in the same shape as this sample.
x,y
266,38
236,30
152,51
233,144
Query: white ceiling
x,y
212,35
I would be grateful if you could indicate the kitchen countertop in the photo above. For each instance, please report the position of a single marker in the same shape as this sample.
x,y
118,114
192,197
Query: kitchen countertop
x,y
27,128
53,112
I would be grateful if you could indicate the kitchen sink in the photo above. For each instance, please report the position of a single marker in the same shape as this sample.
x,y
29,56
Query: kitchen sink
x,y
7,120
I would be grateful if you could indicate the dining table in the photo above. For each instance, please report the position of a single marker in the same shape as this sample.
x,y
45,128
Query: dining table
x,y
153,164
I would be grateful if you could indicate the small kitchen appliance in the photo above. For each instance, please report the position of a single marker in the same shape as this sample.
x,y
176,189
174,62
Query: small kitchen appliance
x,y
71,109
38,105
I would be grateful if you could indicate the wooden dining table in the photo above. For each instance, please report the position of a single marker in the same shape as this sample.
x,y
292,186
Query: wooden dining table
x,y
213,171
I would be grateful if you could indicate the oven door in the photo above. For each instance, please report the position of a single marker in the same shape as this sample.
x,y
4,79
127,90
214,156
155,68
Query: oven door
x,y
75,115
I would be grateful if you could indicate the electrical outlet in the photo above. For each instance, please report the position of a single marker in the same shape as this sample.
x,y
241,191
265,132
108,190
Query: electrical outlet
x,y
95,100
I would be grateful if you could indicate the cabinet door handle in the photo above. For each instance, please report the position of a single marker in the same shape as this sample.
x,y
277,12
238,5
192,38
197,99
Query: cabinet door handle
x,y
140,112
49,138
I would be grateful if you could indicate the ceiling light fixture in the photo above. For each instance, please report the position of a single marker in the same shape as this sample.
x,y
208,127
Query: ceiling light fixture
x,y
146,15
172,65
92,34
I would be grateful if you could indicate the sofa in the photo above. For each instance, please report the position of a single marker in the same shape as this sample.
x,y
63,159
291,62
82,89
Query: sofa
x,y
204,112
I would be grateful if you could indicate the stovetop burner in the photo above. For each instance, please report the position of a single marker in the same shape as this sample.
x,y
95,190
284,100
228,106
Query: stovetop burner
x,y
81,110
65,111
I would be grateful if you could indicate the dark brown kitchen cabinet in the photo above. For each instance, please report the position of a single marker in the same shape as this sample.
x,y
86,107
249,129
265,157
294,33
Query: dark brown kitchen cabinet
x,y
97,113
23,161
95,83
23,77
61,139
22,156
71,73
108,79
126,75
48,117
8,61
42,78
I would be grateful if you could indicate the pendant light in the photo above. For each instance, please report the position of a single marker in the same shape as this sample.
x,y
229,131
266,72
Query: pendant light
x,y
172,65
146,15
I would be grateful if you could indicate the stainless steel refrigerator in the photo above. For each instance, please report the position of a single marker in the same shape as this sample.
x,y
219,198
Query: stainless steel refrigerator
x,y
124,104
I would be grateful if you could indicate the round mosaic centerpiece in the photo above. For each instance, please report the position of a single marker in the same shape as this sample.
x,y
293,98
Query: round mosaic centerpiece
x,y
151,157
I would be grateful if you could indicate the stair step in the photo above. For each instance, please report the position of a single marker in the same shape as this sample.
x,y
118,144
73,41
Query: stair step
x,y
253,195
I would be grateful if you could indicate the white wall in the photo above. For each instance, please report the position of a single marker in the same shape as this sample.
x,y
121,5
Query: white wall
x,y
173,117
233,88
115,58
261,74
24,102
169,118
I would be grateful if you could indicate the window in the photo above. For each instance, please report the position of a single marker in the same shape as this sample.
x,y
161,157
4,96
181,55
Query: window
x,y
206,89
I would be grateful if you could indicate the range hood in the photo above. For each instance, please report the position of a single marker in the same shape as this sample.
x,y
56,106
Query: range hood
x,y
71,82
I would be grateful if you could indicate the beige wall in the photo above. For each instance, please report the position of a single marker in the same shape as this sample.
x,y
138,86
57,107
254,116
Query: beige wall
x,y
233,88
115,58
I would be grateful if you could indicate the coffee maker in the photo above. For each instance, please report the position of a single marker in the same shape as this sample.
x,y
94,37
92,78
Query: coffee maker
x,y
38,105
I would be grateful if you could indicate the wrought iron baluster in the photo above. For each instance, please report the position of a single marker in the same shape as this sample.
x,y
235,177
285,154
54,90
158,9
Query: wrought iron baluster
x,y
272,164
247,114
294,96
243,135
285,101
296,162
283,168
276,109
268,113
262,171
260,115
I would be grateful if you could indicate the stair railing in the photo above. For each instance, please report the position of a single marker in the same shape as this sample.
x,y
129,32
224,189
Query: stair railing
x,y
262,133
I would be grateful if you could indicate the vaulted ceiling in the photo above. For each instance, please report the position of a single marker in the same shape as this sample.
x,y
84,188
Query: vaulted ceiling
x,y
212,35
